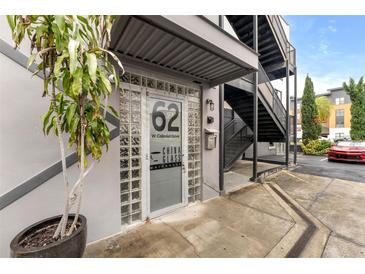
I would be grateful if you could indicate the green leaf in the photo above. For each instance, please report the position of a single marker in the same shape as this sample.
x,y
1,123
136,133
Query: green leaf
x,y
113,111
116,78
39,33
74,124
89,139
72,50
92,65
45,120
70,112
60,22
106,134
82,19
116,59
66,81
31,60
19,33
54,124
57,36
105,82
50,125
45,87
76,83
58,64
11,21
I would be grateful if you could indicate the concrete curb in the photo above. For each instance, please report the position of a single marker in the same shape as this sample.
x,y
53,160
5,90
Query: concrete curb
x,y
307,238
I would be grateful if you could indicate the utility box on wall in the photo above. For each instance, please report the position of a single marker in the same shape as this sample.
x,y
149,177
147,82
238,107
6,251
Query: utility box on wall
x,y
210,138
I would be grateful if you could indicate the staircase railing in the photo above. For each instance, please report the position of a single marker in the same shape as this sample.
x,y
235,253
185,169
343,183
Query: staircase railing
x,y
232,128
279,32
284,43
271,97
237,135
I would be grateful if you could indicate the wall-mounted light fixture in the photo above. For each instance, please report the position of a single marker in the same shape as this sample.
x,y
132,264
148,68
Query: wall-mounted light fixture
x,y
211,104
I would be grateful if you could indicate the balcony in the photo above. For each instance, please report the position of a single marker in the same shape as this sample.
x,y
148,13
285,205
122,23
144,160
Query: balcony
x,y
190,47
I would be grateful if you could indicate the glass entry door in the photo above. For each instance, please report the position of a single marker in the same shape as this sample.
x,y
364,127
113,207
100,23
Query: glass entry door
x,y
165,135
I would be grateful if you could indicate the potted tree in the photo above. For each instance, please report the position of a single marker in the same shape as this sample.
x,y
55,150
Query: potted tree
x,y
78,71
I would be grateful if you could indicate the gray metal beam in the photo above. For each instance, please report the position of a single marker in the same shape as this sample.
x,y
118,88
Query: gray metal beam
x,y
295,116
255,102
227,77
221,127
287,143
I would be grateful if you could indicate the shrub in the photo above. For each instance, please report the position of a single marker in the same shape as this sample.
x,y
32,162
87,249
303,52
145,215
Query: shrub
x,y
316,147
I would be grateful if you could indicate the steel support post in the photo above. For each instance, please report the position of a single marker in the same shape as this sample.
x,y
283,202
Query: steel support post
x,y
295,115
255,102
221,127
287,143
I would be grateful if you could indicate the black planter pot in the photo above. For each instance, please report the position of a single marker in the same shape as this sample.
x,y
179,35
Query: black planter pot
x,y
72,246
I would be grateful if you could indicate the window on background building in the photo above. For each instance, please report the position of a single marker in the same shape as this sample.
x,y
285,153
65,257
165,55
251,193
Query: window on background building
x,y
340,118
340,135
298,105
340,100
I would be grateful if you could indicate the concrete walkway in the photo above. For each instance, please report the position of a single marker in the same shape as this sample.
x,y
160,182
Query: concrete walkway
x,y
290,215
338,204
248,223
240,173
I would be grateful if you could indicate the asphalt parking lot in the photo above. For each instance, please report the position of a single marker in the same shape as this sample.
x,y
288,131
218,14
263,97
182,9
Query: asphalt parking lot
x,y
319,166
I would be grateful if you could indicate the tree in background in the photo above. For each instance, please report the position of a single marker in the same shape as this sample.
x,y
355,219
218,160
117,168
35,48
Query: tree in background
x,y
324,108
356,91
310,123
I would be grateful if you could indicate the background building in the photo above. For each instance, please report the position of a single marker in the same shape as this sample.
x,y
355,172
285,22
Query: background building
x,y
338,124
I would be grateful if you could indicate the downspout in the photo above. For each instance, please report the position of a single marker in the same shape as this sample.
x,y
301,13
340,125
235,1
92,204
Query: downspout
x,y
255,102
221,127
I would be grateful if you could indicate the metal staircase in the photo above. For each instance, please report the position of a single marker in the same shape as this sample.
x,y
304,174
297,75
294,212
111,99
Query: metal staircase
x,y
271,112
271,117
273,45
274,49
237,138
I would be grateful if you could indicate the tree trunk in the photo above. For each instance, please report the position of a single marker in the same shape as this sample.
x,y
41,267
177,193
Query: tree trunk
x,y
82,163
61,228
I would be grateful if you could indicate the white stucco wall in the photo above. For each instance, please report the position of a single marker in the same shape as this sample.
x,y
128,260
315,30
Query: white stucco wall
x,y
263,149
333,131
210,157
25,151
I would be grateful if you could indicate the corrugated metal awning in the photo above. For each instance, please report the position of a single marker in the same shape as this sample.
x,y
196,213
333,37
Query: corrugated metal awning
x,y
188,46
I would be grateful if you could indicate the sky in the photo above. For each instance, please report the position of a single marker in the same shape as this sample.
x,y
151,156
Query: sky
x,y
329,48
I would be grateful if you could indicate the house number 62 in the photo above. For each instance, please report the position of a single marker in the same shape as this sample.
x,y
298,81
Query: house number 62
x,y
156,113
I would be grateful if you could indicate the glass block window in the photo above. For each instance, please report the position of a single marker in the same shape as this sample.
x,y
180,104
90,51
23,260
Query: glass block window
x,y
131,141
130,152
194,147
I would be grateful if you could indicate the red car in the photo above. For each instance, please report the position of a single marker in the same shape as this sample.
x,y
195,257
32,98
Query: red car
x,y
351,151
